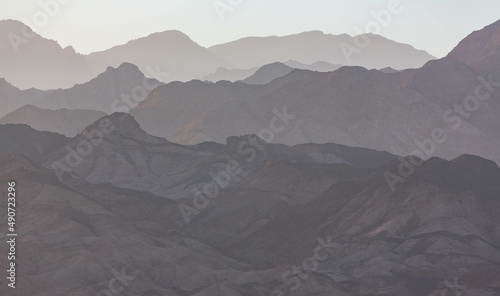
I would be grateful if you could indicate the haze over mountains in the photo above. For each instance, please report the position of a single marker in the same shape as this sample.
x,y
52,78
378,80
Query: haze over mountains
x,y
240,75
366,238
283,173
351,106
173,56
28,60
63,121
314,46
395,111
13,98
110,91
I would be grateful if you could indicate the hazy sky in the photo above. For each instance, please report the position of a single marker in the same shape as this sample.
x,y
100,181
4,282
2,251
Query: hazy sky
x,y
92,25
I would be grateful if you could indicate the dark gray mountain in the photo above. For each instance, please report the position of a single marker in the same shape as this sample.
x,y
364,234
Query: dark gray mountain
x,y
357,235
126,156
36,145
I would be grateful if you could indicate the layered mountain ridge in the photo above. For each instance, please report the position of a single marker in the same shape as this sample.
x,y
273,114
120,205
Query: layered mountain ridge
x,y
174,56
358,237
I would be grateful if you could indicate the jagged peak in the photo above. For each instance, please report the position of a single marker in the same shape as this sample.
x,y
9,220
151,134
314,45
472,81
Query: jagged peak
x,y
118,120
121,124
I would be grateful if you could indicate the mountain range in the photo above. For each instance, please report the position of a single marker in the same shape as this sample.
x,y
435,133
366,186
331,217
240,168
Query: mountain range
x,y
358,236
387,110
279,171
63,121
314,46
172,56
395,111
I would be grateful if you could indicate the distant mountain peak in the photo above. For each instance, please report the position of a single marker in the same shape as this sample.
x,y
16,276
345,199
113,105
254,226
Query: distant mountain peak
x,y
122,125
124,70
124,67
118,121
10,24
165,36
313,32
268,73
350,71
171,33
29,107
388,70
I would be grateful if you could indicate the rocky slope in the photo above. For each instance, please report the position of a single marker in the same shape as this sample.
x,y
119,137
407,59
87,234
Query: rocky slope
x,y
352,106
291,226
116,150
481,49
78,239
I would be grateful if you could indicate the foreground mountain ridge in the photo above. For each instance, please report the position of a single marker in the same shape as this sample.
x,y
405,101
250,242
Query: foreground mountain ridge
x,y
335,200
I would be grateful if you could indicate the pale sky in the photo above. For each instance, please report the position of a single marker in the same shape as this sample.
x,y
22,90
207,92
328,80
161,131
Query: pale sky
x,y
92,25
